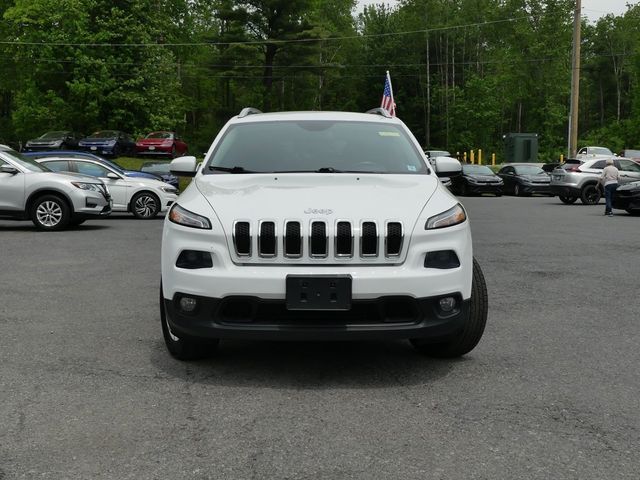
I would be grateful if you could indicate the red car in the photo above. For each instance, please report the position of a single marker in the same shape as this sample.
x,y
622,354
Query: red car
x,y
161,143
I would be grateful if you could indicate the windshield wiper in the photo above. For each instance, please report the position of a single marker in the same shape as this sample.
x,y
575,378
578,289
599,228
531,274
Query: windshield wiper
x,y
235,169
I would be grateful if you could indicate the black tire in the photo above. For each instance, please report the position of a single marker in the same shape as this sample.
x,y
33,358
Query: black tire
x,y
184,348
50,212
498,194
590,194
463,189
145,205
473,328
633,211
567,200
174,152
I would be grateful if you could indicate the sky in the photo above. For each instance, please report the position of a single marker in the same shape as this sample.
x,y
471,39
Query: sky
x,y
592,9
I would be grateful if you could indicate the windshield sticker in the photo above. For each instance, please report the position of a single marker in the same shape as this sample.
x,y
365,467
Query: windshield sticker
x,y
412,168
389,134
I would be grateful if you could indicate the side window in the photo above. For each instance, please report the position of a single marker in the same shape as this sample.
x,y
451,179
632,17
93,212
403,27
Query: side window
x,y
629,166
600,164
582,151
91,169
58,166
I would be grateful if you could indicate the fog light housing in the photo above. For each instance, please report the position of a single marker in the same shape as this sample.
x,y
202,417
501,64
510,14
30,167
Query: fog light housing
x,y
447,304
193,259
443,259
188,304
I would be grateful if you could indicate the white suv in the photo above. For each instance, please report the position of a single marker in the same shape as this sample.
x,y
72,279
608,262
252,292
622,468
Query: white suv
x,y
29,191
318,226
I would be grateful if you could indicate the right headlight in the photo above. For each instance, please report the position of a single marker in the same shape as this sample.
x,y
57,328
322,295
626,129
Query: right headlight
x,y
449,218
184,217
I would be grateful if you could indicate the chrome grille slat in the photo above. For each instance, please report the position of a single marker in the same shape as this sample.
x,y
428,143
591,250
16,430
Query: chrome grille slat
x,y
369,239
318,240
267,243
343,239
292,240
242,238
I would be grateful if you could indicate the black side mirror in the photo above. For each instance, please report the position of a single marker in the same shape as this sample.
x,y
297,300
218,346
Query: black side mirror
x,y
9,169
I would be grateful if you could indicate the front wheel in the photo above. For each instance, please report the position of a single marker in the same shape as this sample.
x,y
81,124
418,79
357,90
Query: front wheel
x,y
180,347
145,205
473,327
590,194
50,212
567,200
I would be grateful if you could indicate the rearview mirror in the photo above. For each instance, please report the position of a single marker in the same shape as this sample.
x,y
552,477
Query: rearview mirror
x,y
447,166
113,176
183,166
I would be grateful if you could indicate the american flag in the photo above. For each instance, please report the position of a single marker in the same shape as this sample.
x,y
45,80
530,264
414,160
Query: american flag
x,y
387,97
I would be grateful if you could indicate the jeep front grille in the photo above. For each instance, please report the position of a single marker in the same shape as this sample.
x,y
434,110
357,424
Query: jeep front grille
x,y
342,239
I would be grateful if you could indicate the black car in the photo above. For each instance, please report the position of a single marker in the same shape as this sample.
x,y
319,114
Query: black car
x,y
59,139
523,179
162,170
627,198
477,179
109,142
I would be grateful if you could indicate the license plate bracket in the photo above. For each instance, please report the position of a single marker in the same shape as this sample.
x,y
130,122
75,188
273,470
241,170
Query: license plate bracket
x,y
318,292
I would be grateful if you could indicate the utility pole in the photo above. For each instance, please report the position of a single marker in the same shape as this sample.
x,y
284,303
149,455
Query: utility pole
x,y
575,82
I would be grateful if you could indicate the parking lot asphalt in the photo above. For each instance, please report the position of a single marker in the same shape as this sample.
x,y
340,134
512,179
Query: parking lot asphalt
x,y
87,389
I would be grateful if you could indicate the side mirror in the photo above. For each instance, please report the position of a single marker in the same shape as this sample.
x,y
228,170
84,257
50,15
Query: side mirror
x,y
184,166
9,169
113,176
447,166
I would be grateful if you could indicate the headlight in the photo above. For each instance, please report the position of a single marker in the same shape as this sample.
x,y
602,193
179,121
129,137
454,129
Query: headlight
x,y
94,187
471,180
451,217
168,189
111,143
184,217
57,143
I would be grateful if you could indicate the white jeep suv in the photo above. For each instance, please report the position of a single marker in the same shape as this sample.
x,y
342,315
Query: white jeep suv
x,y
318,226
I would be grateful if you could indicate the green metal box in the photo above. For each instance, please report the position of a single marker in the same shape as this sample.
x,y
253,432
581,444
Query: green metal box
x,y
521,147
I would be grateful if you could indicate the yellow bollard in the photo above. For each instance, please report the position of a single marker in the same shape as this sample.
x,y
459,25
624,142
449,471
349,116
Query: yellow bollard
x,y
472,157
465,157
561,158
493,159
479,156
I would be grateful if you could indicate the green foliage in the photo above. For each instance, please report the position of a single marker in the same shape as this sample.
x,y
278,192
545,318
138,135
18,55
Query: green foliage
x,y
464,73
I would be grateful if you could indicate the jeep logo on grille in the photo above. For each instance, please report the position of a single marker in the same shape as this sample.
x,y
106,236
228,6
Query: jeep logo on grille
x,y
318,211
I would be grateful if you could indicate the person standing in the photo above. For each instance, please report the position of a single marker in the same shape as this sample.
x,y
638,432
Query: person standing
x,y
609,180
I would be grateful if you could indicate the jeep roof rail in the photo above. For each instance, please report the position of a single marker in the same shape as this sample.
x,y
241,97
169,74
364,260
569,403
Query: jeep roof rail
x,y
379,111
248,111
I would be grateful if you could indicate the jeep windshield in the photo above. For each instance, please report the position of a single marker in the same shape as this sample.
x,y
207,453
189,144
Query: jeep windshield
x,y
316,146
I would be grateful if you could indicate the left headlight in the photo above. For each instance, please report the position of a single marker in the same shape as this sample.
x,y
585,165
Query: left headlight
x,y
169,189
94,187
184,217
449,218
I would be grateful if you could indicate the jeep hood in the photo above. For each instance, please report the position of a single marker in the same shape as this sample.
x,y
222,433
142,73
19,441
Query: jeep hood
x,y
306,196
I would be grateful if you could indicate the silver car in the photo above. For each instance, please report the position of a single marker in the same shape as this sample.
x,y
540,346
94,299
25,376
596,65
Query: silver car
x,y
30,191
580,179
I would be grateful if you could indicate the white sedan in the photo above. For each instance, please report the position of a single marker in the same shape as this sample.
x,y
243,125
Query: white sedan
x,y
143,197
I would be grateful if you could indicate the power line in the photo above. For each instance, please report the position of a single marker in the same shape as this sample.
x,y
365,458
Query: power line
x,y
259,42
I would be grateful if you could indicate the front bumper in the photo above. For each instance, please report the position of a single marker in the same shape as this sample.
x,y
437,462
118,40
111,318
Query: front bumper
x,y
532,189
154,150
98,149
626,200
387,317
479,188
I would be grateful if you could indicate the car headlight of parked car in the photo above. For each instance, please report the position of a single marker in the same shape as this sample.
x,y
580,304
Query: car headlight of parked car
x,y
449,218
184,217
168,189
94,187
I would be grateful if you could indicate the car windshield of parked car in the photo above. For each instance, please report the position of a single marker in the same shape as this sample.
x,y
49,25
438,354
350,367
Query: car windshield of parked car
x,y
316,146
159,135
529,170
476,170
600,151
53,135
25,162
104,134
